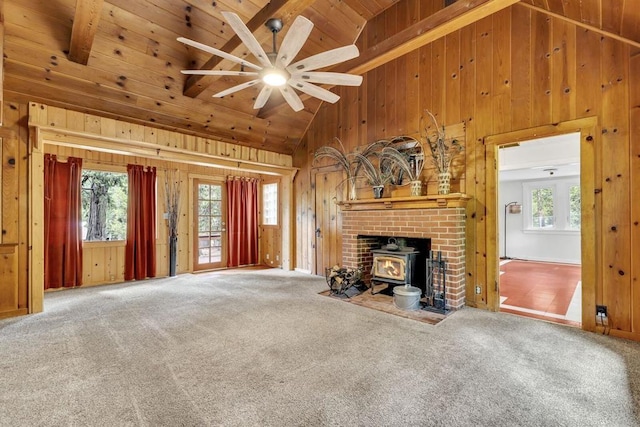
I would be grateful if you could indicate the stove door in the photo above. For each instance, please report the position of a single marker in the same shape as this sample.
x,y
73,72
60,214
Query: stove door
x,y
390,267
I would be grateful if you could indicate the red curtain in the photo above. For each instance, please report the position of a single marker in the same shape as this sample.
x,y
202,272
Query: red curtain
x,y
62,222
140,249
242,208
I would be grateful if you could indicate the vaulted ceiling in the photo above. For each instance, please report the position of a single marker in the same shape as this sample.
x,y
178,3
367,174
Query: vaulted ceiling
x,y
121,59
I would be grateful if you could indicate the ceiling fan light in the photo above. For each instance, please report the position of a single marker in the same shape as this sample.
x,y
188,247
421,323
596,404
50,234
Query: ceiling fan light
x,y
274,77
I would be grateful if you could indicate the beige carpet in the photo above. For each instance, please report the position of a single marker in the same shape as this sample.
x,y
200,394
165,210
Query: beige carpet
x,y
262,348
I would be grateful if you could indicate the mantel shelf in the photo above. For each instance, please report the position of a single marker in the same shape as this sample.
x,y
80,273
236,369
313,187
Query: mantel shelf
x,y
435,201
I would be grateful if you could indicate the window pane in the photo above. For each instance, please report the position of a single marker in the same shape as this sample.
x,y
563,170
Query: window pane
x,y
204,242
270,204
216,208
216,192
542,208
203,224
204,255
104,205
574,206
203,192
204,208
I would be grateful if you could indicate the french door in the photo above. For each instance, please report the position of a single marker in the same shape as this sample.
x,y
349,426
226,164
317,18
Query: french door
x,y
210,246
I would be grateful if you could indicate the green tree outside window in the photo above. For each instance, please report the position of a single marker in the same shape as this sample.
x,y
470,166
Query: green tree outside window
x,y
104,205
542,208
574,206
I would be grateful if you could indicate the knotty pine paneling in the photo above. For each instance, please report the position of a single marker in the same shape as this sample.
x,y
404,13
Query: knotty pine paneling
x,y
103,262
634,137
14,184
516,70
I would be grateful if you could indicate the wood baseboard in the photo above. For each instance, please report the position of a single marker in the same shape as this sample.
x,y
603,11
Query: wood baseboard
x,y
14,313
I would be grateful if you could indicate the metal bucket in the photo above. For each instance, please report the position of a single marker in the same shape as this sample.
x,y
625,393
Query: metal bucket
x,y
407,297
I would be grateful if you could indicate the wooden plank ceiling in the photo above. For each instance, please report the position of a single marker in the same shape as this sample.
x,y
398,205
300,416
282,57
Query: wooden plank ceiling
x,y
121,59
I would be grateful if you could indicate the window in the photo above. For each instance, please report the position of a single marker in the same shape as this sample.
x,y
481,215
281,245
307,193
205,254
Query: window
x,y
552,205
270,204
104,205
574,207
542,208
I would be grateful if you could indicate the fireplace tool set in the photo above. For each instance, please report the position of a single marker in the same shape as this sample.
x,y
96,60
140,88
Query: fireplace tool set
x,y
435,291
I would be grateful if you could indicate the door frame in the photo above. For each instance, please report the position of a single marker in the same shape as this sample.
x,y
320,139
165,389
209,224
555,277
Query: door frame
x,y
589,138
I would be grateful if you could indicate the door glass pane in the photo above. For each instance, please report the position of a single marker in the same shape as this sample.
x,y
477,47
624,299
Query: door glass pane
x,y
204,192
216,192
216,208
210,223
204,207
204,255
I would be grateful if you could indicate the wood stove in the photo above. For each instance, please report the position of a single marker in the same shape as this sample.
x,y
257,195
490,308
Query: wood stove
x,y
395,267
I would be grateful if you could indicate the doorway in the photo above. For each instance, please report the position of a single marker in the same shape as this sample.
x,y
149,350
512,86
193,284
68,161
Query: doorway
x,y
589,138
540,262
210,246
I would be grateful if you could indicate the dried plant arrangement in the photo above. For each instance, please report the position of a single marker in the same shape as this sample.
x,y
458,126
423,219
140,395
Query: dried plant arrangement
x,y
344,160
443,149
404,155
172,199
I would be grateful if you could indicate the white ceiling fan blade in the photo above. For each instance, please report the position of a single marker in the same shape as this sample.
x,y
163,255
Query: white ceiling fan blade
x,y
325,59
324,77
236,88
220,73
293,41
315,91
218,52
247,38
263,97
292,98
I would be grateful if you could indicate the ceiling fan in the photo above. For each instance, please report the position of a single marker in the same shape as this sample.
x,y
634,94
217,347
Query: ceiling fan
x,y
275,69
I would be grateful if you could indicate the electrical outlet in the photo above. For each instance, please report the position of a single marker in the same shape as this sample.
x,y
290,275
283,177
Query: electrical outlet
x,y
267,256
478,290
601,310
277,257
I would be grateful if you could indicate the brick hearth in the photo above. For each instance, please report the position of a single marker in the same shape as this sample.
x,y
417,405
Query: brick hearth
x,y
445,226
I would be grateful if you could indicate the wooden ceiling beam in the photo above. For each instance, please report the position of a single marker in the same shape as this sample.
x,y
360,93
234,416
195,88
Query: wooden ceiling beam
x,y
85,26
589,27
195,85
445,21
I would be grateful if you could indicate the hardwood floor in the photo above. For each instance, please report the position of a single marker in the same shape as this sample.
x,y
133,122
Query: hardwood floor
x,y
541,290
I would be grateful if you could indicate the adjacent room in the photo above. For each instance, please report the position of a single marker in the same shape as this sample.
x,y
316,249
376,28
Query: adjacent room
x,y
320,212
539,187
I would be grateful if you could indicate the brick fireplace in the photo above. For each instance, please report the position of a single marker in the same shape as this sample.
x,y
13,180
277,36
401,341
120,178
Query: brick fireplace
x,y
439,220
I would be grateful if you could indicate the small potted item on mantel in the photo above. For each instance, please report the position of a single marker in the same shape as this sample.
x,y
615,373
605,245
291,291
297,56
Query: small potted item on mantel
x,y
375,175
443,151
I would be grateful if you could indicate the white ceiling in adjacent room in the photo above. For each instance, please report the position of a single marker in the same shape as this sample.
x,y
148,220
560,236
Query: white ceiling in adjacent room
x,y
551,157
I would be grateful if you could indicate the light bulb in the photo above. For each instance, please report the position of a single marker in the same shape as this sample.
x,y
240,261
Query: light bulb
x,y
274,77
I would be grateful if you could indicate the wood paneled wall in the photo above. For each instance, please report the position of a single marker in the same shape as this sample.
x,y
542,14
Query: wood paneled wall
x,y
517,69
103,262
14,208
